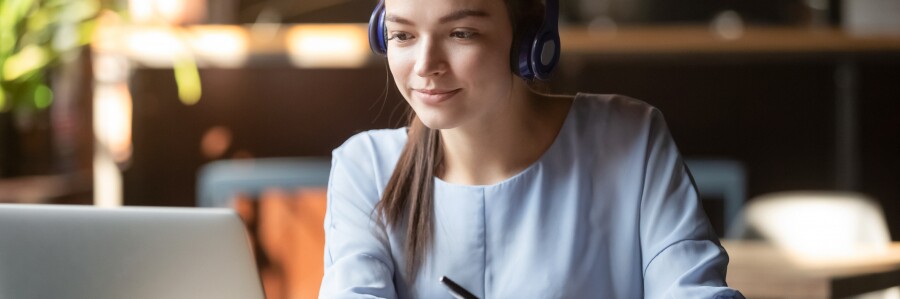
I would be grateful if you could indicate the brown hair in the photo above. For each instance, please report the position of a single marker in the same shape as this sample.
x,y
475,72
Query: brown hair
x,y
408,198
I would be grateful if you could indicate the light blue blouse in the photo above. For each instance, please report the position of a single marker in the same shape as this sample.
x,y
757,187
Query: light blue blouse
x,y
608,211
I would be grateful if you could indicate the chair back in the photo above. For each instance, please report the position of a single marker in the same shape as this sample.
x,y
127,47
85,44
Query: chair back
x,y
723,179
282,201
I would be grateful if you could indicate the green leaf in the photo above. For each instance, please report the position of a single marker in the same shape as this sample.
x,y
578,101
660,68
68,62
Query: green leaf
x,y
35,38
18,9
86,32
39,21
43,96
8,22
7,43
188,80
32,58
2,99
83,10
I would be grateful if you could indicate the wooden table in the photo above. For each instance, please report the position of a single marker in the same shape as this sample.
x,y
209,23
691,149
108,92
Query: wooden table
x,y
759,270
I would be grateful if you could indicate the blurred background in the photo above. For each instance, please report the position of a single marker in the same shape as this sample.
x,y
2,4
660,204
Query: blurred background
x,y
240,102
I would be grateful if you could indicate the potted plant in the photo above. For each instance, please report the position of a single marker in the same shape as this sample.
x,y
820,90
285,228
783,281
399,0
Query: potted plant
x,y
37,37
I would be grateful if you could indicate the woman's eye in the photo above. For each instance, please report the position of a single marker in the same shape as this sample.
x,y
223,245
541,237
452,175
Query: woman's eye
x,y
400,36
463,34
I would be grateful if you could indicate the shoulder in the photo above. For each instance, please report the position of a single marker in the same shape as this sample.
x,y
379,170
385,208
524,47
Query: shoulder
x,y
615,130
370,154
383,141
615,107
615,115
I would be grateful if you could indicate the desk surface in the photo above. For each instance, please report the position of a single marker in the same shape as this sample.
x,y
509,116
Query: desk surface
x,y
759,270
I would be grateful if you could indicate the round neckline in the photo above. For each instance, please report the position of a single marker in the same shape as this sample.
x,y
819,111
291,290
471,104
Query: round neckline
x,y
533,165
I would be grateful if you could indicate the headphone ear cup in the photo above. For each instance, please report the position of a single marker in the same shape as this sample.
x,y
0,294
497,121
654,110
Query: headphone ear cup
x,y
377,37
547,47
544,53
537,48
521,56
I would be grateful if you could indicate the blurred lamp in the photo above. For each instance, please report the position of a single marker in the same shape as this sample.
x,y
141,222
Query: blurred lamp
x,y
220,46
173,12
328,45
821,227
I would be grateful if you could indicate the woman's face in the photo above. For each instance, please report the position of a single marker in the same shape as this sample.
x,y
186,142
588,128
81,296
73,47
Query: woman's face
x,y
450,58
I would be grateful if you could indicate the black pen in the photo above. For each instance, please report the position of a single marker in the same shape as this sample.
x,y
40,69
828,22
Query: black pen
x,y
456,290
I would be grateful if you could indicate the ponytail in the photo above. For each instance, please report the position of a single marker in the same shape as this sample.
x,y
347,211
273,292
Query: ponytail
x,y
408,199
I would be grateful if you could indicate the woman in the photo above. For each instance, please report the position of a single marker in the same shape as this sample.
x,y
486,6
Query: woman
x,y
509,192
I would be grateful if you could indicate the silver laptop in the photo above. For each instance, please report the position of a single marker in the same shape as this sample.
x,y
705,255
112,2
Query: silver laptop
x,y
87,252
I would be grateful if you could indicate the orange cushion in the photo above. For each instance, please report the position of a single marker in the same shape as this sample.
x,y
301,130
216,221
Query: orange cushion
x,y
288,230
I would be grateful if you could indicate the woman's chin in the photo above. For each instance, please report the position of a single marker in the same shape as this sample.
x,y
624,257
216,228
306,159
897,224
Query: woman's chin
x,y
436,125
437,122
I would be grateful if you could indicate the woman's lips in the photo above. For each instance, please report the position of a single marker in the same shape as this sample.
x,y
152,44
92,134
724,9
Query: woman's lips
x,y
435,96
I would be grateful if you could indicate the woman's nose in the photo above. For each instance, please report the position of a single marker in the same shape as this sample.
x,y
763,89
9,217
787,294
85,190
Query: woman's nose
x,y
430,60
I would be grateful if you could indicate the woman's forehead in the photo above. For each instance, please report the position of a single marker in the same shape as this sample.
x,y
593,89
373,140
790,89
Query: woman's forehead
x,y
435,10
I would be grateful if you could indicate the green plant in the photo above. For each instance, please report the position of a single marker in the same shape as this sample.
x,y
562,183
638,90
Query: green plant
x,y
35,36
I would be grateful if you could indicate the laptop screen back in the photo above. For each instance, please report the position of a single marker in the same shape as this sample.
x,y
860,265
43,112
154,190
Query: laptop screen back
x,y
86,252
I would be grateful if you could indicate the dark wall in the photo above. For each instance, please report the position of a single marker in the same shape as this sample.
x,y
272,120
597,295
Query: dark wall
x,y
776,118
271,112
880,137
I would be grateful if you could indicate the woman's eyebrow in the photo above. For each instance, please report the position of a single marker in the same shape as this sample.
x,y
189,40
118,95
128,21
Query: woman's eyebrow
x,y
462,14
396,19
454,16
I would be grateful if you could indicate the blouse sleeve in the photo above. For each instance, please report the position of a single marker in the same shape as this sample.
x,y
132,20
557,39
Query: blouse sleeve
x,y
358,262
681,255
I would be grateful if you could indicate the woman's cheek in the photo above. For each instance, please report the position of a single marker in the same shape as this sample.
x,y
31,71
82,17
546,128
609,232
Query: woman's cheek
x,y
401,67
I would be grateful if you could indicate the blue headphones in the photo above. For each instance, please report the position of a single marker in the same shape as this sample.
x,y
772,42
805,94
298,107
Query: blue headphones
x,y
534,58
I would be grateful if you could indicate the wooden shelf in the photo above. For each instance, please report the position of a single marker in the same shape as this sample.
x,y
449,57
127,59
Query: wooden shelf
x,y
702,40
